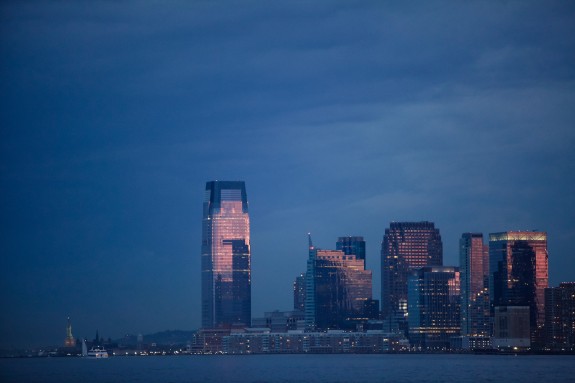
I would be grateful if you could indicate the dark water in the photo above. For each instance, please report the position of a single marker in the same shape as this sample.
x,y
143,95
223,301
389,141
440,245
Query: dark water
x,y
293,368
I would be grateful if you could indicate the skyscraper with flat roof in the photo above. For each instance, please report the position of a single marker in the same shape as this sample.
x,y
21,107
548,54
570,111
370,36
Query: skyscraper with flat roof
x,y
226,256
518,273
560,317
338,290
433,306
406,246
299,293
474,269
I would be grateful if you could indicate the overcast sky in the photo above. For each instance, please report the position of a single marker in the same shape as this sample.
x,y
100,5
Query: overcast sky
x,y
340,116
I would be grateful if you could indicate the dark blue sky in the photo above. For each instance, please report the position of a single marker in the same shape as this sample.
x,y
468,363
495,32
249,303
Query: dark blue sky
x,y
340,117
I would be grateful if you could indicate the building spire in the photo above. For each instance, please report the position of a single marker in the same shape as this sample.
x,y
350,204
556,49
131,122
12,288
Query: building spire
x,y
309,241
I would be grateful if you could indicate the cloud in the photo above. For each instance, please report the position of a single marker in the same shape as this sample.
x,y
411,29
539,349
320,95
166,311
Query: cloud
x,y
340,117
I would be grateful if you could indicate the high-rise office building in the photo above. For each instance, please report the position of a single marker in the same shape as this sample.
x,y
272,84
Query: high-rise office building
x,y
518,273
338,290
299,293
226,257
433,306
474,269
352,245
560,317
406,246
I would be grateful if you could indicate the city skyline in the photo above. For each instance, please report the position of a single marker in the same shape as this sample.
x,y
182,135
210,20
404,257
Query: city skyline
x,y
340,118
224,197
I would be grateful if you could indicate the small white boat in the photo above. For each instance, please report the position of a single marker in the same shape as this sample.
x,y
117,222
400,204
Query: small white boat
x,y
95,352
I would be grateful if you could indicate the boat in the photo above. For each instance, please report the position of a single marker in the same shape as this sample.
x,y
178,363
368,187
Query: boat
x,y
96,352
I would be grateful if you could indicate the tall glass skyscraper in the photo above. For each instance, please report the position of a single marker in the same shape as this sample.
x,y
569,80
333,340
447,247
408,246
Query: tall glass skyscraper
x,y
299,293
474,269
352,245
338,290
226,257
406,246
433,306
518,273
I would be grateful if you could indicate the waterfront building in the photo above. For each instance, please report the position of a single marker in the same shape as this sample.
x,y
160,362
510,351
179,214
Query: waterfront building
x,y
338,290
474,270
433,306
226,256
511,327
210,341
518,274
470,343
299,293
352,245
406,246
560,317
330,342
280,321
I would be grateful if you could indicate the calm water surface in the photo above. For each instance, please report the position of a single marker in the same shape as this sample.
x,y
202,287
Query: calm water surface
x,y
293,368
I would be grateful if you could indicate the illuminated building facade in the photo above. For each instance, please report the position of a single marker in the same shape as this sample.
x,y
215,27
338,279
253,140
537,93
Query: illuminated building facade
x,y
295,342
560,317
354,245
433,306
474,269
406,246
518,273
338,290
226,257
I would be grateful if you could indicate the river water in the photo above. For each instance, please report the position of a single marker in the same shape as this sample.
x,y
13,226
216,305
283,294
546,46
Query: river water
x,y
293,368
